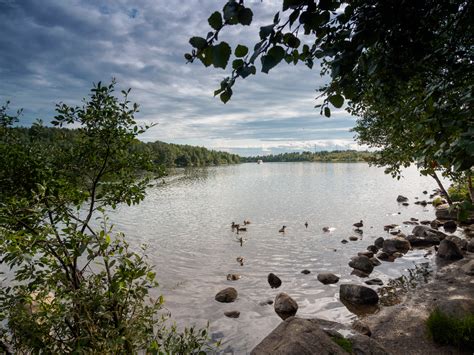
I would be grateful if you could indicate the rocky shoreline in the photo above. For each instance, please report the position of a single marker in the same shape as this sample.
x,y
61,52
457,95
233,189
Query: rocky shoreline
x,y
400,328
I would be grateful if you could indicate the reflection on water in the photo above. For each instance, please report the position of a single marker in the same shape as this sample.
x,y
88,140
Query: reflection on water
x,y
187,224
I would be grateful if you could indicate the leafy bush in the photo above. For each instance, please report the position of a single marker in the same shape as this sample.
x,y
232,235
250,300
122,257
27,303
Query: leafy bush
x,y
447,330
76,285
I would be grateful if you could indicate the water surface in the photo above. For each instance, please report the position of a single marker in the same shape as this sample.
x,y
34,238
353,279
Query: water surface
x,y
186,224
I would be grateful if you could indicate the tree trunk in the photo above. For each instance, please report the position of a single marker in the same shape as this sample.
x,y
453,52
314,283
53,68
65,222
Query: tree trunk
x,y
469,187
443,190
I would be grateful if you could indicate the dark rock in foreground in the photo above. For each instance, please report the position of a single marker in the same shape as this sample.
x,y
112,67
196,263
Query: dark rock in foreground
x,y
327,278
227,295
448,250
285,306
358,294
274,280
297,336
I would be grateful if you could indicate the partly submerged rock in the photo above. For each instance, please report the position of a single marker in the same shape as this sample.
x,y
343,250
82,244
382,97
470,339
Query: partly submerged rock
x,y
397,244
379,242
358,294
285,306
376,281
306,272
328,278
353,238
401,198
232,314
274,280
361,263
227,295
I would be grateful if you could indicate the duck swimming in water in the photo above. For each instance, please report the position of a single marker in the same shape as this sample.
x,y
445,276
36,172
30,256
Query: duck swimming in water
x,y
326,229
306,224
282,229
359,224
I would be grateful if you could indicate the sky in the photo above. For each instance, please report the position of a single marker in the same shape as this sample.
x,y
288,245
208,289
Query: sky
x,y
54,50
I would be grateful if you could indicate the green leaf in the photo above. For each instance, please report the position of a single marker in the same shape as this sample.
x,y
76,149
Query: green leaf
x,y
245,16
205,56
291,40
265,31
226,95
198,42
231,12
327,112
237,63
336,100
215,20
220,55
272,58
241,51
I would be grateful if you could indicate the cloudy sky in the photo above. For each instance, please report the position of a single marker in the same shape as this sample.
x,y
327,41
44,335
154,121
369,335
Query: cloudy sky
x,y
53,50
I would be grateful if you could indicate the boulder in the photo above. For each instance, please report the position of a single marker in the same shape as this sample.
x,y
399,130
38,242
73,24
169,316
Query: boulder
x,y
361,263
443,212
468,268
373,248
379,242
232,314
361,328
470,246
372,282
297,336
285,306
401,198
450,226
358,294
359,273
423,241
327,278
457,308
227,295
306,272
461,243
274,280
424,231
368,254
397,244
448,250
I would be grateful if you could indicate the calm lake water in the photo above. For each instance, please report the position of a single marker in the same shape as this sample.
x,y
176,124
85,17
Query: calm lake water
x,y
186,224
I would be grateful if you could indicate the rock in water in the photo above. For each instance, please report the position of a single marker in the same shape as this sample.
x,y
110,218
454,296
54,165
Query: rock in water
x,y
227,295
379,242
232,314
358,294
448,250
274,280
327,278
353,238
377,282
396,244
306,272
361,263
401,198
285,306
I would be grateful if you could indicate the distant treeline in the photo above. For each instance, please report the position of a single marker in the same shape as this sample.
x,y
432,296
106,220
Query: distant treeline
x,y
165,154
337,155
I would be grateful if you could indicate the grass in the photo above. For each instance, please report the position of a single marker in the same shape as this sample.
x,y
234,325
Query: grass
x,y
343,343
447,330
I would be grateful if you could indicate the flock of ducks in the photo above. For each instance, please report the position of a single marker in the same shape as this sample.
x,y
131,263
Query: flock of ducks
x,y
237,228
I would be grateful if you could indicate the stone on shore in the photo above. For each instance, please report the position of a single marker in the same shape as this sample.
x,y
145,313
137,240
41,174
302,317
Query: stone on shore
x,y
397,244
468,268
375,261
297,336
362,263
448,250
443,212
285,306
425,231
423,241
274,280
357,294
373,248
227,295
327,278
361,328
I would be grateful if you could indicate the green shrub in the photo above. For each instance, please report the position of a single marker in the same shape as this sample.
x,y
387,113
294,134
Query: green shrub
x,y
459,191
447,330
343,343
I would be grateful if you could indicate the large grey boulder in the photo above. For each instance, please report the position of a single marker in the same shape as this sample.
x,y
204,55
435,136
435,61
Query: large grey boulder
x,y
397,244
448,250
461,243
423,241
443,212
285,306
297,336
227,295
362,263
358,294
425,231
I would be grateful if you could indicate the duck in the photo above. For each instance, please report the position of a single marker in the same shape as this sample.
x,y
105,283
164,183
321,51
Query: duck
x,y
306,224
246,222
240,260
233,277
241,229
326,229
282,229
234,225
358,224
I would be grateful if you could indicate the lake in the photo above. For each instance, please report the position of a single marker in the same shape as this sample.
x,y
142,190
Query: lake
x,y
186,224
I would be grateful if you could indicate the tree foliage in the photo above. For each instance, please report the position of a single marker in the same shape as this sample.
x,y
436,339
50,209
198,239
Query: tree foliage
x,y
403,67
323,156
75,285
